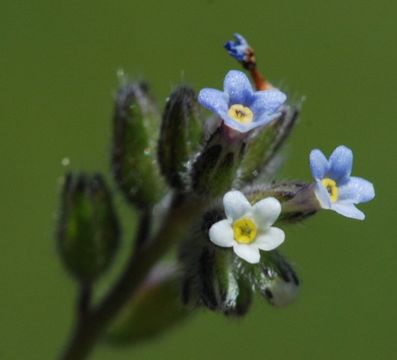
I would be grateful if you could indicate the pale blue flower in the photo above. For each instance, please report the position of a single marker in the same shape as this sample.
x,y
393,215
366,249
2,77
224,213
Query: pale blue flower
x,y
239,106
239,48
335,188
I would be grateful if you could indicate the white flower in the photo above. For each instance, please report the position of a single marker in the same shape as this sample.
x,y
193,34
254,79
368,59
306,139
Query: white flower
x,y
248,228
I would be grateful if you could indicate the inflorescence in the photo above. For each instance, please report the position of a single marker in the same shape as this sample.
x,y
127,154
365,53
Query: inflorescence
x,y
206,185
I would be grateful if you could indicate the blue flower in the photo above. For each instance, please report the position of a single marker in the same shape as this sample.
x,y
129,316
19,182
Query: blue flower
x,y
239,48
335,188
239,106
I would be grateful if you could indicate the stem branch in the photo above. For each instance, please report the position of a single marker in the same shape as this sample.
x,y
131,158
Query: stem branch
x,y
84,301
177,221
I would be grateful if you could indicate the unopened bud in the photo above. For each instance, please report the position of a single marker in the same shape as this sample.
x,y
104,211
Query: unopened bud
x,y
243,300
220,288
215,167
134,155
179,138
88,229
278,282
265,144
298,200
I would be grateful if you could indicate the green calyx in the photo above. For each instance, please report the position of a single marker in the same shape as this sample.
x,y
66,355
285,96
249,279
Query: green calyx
x,y
88,229
179,137
135,123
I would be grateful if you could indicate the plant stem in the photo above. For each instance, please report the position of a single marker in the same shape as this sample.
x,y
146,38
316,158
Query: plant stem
x,y
84,301
175,224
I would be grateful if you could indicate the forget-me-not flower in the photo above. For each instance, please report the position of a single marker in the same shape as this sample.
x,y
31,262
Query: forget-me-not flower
x,y
239,106
239,48
248,228
335,188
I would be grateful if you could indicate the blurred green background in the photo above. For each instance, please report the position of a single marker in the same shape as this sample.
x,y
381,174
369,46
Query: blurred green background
x,y
58,65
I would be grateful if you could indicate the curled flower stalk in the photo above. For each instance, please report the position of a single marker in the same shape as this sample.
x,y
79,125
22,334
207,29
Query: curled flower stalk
x,y
240,50
245,55
205,186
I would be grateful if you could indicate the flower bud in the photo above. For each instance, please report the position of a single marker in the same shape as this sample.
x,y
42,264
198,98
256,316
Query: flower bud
x,y
209,272
264,145
272,277
134,155
179,138
298,200
207,284
243,300
279,283
155,308
219,288
215,167
88,230
224,280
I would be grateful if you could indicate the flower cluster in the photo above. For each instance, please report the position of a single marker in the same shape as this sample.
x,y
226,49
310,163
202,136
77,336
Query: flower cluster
x,y
241,109
175,177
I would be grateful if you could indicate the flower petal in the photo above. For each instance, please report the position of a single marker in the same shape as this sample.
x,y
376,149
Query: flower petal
x,y
270,239
265,119
340,163
236,205
348,210
318,164
322,195
238,87
249,253
240,39
221,234
229,122
214,100
356,190
266,212
268,101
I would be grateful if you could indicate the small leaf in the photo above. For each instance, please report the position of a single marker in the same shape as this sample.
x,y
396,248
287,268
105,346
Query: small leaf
x,y
154,309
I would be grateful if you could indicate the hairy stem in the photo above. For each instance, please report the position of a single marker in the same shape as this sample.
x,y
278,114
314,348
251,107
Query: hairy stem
x,y
84,301
175,224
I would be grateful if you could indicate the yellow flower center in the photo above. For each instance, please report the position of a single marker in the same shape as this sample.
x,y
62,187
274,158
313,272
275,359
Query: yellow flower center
x,y
244,231
331,187
240,113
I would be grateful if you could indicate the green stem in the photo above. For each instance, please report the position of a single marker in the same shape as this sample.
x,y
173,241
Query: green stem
x,y
84,301
175,225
